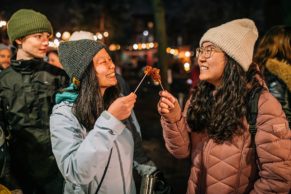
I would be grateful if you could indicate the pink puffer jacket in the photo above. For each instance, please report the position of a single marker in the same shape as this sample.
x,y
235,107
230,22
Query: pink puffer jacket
x,y
231,167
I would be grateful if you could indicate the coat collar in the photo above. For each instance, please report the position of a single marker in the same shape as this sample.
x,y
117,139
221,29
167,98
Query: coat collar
x,y
280,69
26,66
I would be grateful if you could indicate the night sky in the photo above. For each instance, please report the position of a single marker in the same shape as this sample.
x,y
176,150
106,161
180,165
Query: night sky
x,y
127,19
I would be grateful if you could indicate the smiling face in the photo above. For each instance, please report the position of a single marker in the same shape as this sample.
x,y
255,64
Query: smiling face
x,y
33,46
212,62
105,70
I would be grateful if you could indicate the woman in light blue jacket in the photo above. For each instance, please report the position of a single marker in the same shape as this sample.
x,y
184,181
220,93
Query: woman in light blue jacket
x,y
90,137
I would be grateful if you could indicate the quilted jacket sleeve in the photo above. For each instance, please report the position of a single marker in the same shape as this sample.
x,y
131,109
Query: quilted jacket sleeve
x,y
176,135
80,158
273,143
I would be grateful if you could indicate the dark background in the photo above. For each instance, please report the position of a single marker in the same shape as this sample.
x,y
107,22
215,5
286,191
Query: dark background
x,y
125,20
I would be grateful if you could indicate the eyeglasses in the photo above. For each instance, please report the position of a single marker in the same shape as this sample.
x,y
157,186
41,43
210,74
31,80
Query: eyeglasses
x,y
206,51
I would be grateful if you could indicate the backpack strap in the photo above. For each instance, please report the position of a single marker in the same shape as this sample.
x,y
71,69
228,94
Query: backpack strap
x,y
252,108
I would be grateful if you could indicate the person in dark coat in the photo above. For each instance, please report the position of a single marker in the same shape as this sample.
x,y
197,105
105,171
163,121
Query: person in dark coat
x,y
26,99
273,54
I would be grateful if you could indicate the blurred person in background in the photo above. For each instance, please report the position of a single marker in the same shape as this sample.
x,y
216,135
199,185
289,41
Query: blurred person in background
x,y
5,57
27,92
53,58
273,55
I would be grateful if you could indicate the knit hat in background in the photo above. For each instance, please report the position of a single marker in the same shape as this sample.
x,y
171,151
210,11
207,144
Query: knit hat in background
x,y
25,22
75,56
236,38
79,35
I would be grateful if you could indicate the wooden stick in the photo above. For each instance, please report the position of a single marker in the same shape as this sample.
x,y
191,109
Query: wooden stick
x,y
140,83
161,85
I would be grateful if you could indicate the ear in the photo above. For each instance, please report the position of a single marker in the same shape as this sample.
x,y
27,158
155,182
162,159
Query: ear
x,y
18,41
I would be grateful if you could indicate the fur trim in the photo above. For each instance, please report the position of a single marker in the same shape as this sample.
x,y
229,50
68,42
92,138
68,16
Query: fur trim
x,y
280,69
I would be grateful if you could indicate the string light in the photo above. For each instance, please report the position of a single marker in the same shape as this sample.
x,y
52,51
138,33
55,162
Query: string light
x,y
58,35
105,34
2,23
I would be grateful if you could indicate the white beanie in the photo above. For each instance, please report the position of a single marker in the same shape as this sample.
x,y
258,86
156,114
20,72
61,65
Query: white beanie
x,y
79,35
236,38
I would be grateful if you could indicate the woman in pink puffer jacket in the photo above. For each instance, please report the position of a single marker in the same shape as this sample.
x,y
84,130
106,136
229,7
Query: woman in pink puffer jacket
x,y
213,129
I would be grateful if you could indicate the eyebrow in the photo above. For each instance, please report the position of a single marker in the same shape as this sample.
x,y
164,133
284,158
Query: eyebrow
x,y
211,45
104,58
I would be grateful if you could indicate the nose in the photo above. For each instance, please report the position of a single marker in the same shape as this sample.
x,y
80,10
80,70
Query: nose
x,y
45,41
201,57
111,65
45,38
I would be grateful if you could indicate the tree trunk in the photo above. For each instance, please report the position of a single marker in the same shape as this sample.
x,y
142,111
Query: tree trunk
x,y
161,37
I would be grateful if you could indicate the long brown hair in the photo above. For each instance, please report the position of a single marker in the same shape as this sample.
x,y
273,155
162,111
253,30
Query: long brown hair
x,y
276,43
220,115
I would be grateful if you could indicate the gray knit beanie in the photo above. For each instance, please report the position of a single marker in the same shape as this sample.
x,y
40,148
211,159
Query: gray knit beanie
x,y
236,38
4,47
75,56
25,22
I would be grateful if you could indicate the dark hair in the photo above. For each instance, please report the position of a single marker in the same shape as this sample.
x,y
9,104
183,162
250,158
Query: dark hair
x,y
90,103
219,111
276,43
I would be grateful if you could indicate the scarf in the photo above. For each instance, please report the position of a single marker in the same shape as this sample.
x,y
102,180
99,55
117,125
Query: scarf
x,y
69,94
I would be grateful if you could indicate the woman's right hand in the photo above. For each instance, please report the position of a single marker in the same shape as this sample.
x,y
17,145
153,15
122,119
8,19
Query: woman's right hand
x,y
121,108
168,107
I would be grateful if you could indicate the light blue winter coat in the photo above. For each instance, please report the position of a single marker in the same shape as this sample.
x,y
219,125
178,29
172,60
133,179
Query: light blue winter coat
x,y
82,156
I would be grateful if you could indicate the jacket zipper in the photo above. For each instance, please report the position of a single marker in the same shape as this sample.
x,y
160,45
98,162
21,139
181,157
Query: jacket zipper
x,y
121,168
4,165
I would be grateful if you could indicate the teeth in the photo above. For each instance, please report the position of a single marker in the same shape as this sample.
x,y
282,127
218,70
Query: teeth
x,y
111,75
203,68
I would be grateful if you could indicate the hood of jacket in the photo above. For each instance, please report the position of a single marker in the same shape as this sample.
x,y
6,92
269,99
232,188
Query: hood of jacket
x,y
280,69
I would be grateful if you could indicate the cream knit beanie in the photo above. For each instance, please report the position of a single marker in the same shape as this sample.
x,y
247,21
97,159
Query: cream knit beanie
x,y
79,35
236,38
